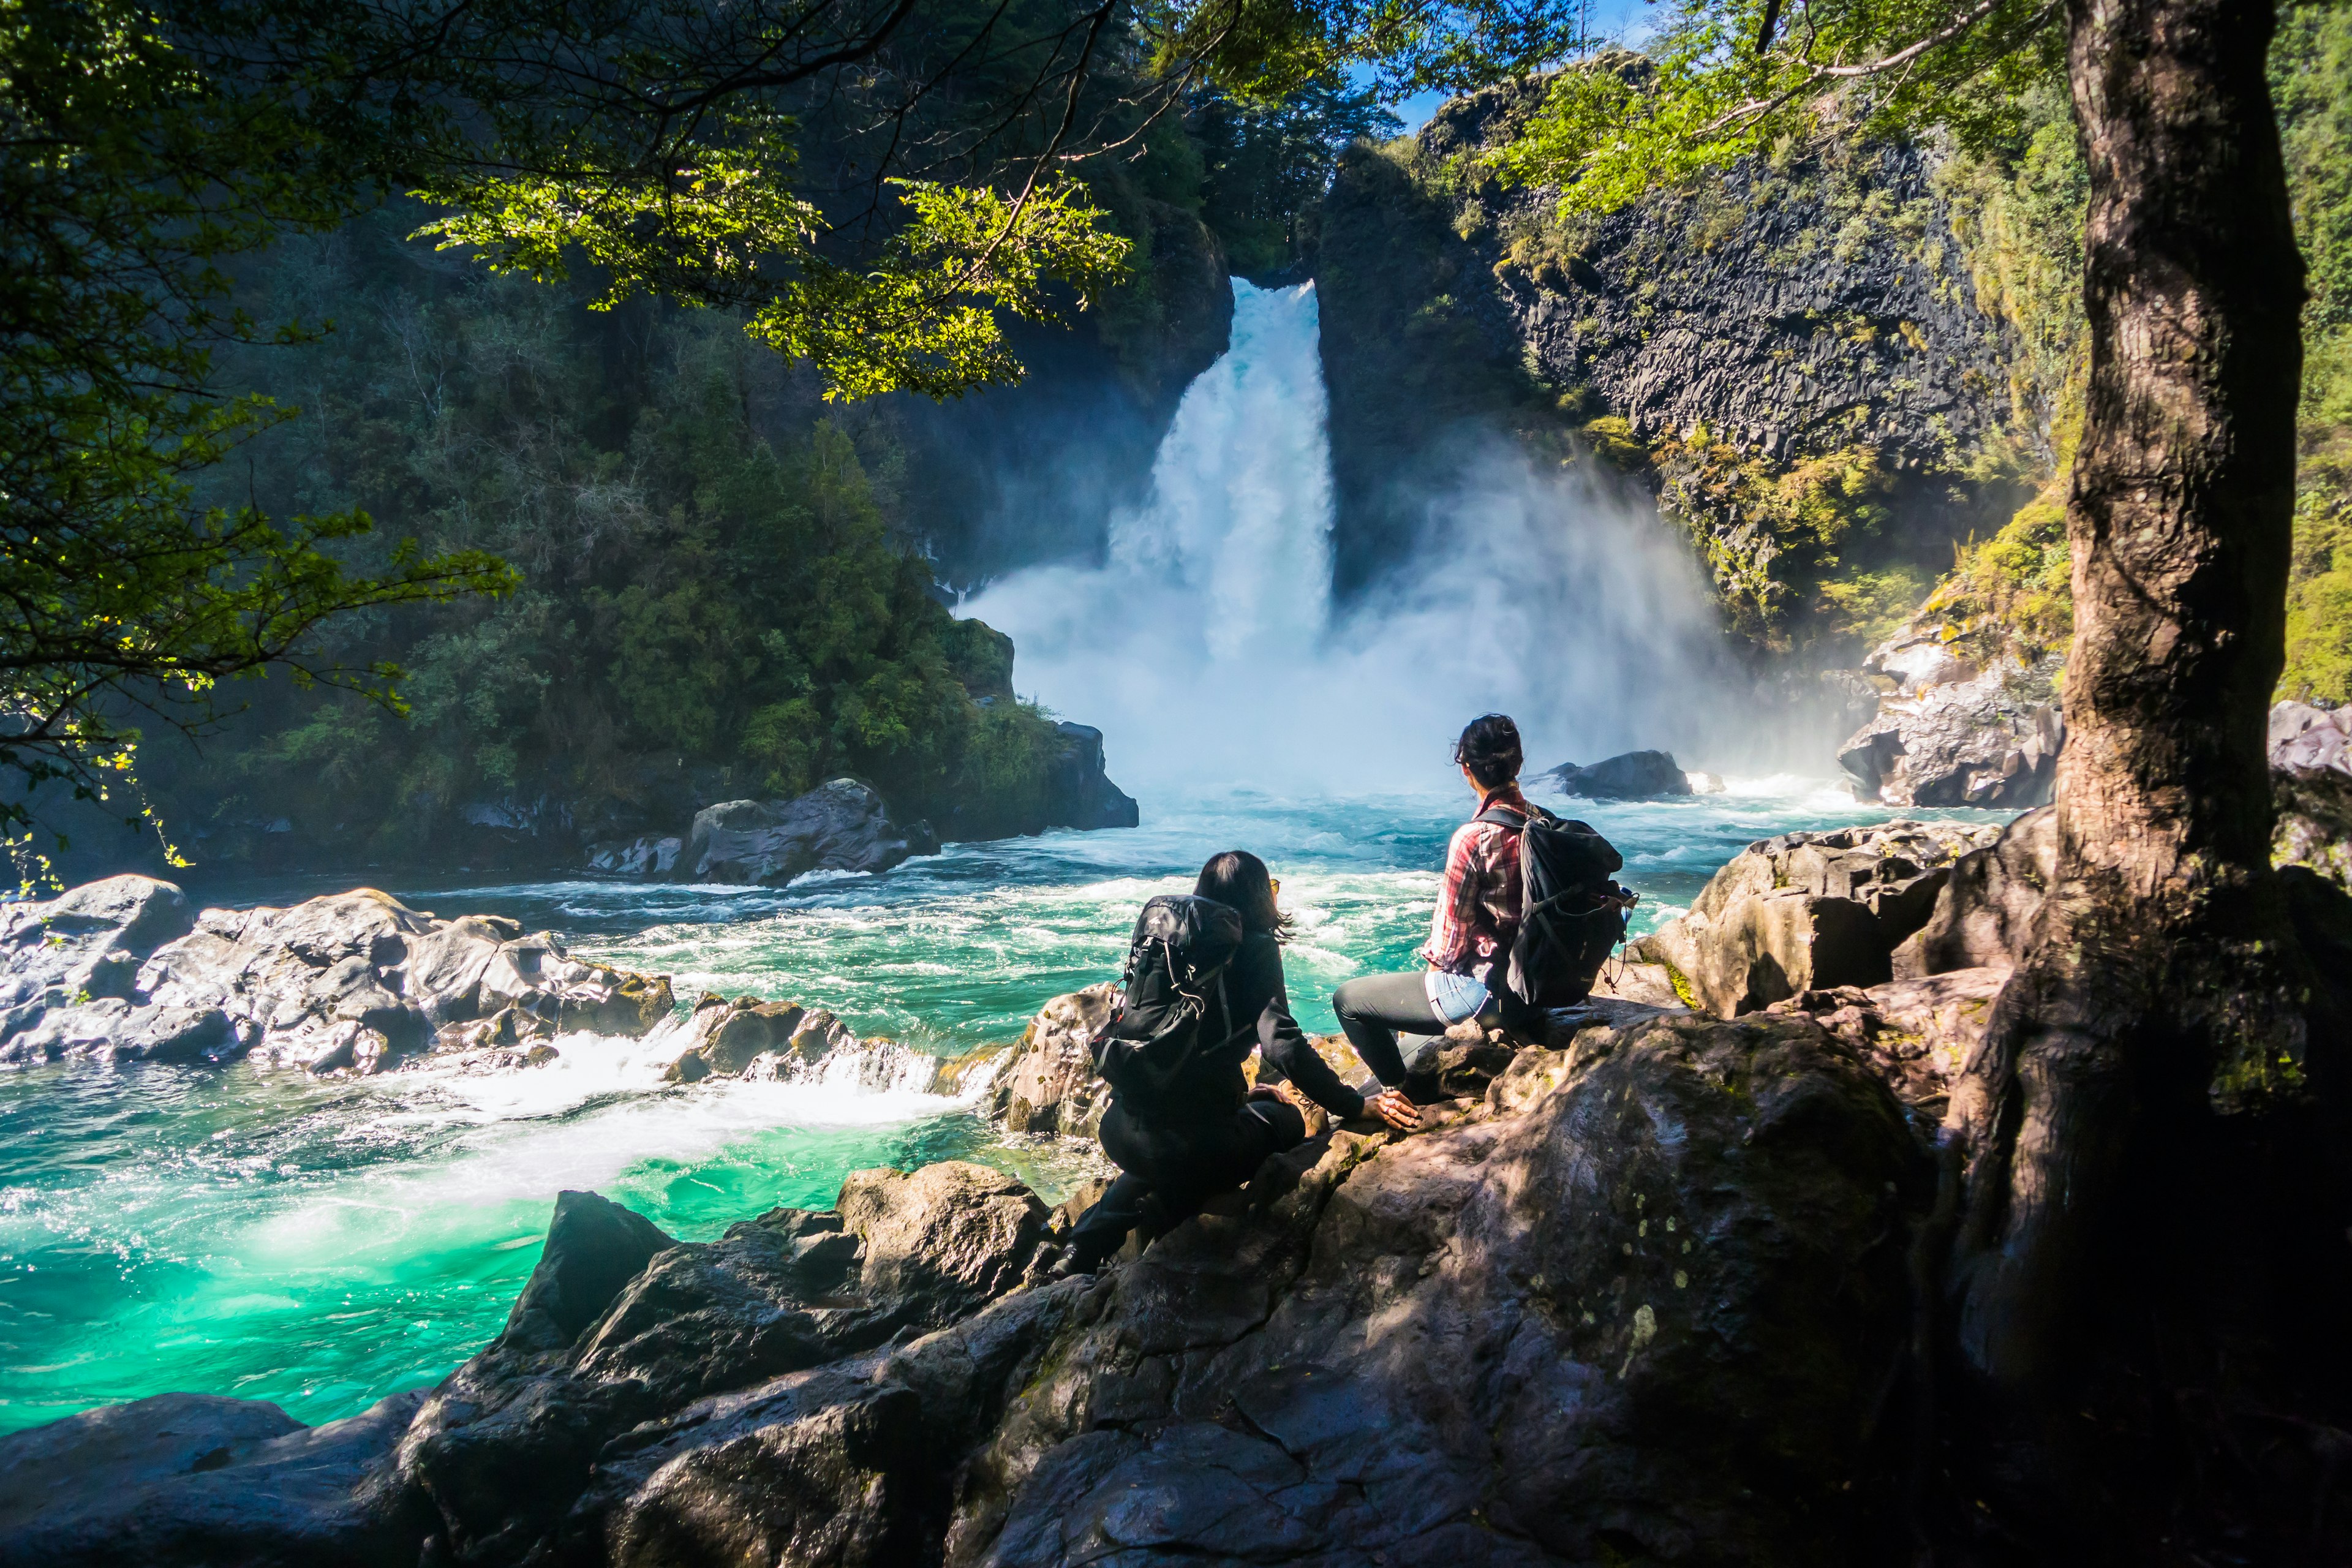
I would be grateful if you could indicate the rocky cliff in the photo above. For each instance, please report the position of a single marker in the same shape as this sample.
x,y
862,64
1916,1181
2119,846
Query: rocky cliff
x,y
1791,354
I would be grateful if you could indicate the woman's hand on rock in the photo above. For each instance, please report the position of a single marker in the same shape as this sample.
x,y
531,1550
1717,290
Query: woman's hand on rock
x,y
1391,1107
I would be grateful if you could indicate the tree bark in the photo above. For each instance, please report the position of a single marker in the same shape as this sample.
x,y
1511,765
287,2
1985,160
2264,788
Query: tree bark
x,y
2162,991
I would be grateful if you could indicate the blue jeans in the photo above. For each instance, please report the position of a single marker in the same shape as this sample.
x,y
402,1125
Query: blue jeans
x,y
1375,1009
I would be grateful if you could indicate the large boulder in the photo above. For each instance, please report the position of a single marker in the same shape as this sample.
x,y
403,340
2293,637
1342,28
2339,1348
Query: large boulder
x,y
842,825
1628,777
349,981
1048,1083
622,1330
84,945
1640,1303
1989,909
1947,732
1806,911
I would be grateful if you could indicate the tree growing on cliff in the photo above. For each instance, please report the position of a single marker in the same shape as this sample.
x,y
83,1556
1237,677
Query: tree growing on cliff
x,y
2167,1040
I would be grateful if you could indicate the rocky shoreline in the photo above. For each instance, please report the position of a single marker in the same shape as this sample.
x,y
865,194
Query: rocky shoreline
x,y
1639,1289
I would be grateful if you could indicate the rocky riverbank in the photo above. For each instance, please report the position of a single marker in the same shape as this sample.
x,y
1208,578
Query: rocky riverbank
x,y
126,969
1641,1290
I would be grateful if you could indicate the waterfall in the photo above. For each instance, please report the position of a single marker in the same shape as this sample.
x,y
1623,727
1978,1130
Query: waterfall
x,y
1206,645
1239,514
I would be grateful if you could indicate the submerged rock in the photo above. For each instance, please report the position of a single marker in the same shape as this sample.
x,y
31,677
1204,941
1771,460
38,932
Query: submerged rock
x,y
350,981
1806,911
1628,777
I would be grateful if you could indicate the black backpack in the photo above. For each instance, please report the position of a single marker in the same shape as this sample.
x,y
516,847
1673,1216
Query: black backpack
x,y
1571,916
1175,981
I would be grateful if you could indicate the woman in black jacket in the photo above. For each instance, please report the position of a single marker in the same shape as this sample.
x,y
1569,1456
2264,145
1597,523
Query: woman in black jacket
x,y
1170,1165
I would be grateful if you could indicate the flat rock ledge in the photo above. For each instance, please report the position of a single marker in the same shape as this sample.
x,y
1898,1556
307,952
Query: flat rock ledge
x,y
352,982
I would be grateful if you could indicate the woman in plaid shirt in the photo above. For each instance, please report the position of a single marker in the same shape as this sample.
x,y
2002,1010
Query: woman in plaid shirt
x,y
1478,916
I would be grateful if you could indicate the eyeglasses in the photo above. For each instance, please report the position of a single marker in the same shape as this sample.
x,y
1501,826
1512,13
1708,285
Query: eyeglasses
x,y
1277,882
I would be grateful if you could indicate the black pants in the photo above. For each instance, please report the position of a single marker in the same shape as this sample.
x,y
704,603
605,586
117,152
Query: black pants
x,y
1374,1009
1166,1173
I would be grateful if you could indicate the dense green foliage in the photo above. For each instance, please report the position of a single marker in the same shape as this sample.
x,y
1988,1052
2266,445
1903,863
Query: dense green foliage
x,y
2018,208
723,589
152,149
1724,80
2310,69
1266,168
718,593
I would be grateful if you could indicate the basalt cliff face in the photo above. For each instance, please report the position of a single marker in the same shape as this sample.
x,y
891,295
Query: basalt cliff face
x,y
1791,354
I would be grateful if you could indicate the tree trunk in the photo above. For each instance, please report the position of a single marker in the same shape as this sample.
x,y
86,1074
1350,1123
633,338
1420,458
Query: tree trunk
x,y
2162,991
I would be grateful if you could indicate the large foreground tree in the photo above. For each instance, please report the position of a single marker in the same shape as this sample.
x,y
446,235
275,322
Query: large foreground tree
x,y
2139,1281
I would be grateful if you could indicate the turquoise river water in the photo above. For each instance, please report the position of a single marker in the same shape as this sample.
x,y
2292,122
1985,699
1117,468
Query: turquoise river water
x,y
324,1243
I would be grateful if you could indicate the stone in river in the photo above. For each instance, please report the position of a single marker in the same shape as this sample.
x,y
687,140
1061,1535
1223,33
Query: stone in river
x,y
1628,777
842,825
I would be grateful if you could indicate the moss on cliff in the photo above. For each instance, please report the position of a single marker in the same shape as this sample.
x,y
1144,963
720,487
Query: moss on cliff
x,y
1787,354
2018,212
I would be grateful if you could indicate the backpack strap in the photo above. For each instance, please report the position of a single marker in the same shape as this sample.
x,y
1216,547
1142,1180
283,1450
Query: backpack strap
x,y
1503,816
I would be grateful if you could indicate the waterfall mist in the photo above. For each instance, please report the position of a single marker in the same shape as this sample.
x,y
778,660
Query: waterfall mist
x,y
1207,649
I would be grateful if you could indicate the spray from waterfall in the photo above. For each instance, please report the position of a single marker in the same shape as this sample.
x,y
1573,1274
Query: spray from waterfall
x,y
1207,647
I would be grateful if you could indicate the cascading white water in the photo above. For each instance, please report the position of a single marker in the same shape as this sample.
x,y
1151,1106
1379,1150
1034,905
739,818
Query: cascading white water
x,y
1207,647
1240,516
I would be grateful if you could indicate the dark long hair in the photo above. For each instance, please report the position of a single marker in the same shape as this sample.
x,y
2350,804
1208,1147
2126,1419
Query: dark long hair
x,y
1490,748
1239,879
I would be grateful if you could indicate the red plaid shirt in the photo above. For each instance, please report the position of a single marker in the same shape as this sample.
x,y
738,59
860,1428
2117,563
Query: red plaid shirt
x,y
1478,905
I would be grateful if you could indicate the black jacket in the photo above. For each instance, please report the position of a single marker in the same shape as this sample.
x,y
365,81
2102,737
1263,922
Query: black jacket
x,y
1256,1016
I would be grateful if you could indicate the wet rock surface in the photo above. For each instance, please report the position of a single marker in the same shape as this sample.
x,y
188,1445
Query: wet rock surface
x,y
1807,912
1586,1319
352,981
1638,1292
623,1338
